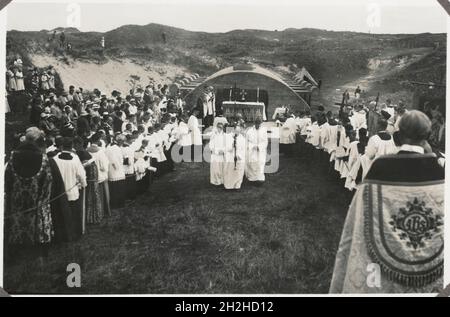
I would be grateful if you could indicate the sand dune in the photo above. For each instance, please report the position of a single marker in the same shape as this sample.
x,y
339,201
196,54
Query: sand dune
x,y
113,74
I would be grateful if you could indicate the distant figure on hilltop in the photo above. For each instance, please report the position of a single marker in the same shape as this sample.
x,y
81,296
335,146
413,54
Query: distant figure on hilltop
x,y
62,39
358,92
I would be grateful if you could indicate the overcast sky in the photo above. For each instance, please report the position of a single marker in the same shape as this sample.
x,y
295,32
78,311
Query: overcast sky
x,y
376,16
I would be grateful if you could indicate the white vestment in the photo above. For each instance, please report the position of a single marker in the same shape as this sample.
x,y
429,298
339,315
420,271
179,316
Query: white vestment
x,y
377,147
359,120
196,134
324,136
256,154
217,145
183,136
116,169
155,145
303,125
313,134
288,132
234,161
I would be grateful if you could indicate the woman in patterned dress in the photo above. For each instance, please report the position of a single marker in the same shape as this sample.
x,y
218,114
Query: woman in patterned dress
x,y
11,80
28,191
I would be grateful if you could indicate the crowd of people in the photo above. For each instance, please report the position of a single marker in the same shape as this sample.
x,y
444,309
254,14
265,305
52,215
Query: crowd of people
x,y
349,142
22,82
237,149
86,153
387,159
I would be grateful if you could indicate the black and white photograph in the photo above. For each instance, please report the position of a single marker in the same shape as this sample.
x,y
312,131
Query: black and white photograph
x,y
223,147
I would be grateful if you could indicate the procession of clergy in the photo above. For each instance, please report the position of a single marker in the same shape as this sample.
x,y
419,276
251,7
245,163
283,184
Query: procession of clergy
x,y
236,151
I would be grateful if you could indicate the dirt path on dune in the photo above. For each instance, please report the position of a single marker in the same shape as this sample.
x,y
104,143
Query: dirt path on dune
x,y
379,68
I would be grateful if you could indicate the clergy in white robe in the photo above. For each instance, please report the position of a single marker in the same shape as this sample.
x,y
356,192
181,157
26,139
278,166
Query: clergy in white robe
x,y
288,135
182,151
74,177
256,152
234,159
116,175
313,134
359,119
217,146
324,137
164,136
196,137
381,143
156,146
288,131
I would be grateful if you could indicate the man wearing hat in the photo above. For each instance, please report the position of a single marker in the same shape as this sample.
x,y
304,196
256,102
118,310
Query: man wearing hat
x,y
83,125
196,136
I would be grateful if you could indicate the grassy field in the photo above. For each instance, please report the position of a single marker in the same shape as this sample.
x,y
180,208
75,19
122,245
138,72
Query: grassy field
x,y
186,236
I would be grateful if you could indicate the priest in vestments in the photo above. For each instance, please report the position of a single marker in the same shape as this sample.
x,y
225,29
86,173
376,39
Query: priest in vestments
x,y
217,147
234,159
256,152
393,236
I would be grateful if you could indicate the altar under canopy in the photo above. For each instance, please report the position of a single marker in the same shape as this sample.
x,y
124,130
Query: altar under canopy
x,y
249,110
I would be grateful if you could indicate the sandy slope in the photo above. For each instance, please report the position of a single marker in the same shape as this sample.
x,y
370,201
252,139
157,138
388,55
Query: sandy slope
x,y
380,68
111,75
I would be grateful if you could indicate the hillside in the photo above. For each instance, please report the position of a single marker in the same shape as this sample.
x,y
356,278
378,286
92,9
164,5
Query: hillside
x,y
161,53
